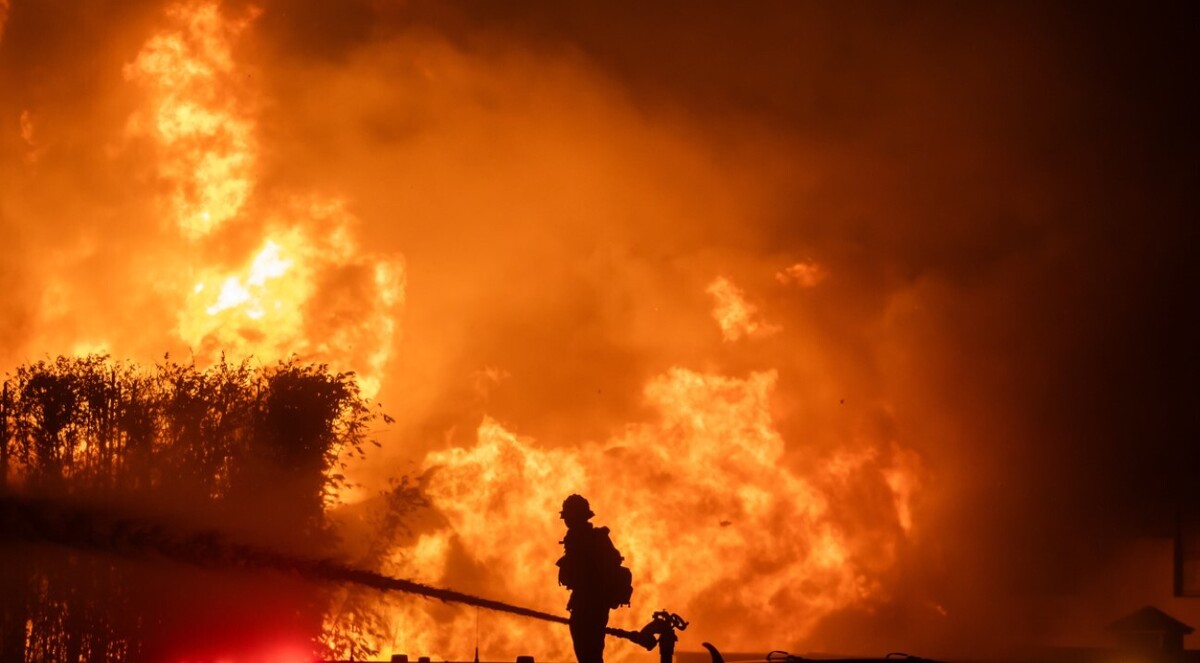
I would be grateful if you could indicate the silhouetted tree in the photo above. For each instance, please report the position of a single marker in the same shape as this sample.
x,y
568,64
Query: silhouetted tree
x,y
255,451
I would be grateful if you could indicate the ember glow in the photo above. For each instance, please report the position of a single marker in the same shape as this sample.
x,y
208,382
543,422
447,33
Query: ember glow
x,y
737,317
804,274
822,308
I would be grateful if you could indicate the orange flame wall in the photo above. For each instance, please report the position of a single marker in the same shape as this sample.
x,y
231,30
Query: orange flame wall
x,y
716,517
710,519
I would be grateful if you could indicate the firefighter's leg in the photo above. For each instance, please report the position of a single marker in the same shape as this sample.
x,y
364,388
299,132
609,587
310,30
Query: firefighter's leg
x,y
587,633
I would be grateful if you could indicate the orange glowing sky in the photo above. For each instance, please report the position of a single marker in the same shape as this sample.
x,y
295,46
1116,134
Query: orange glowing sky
x,y
843,317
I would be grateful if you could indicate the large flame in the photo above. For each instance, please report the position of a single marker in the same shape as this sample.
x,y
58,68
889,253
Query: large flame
x,y
306,288
207,144
702,503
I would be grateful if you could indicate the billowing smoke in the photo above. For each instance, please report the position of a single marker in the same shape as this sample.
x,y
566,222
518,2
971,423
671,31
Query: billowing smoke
x,y
933,255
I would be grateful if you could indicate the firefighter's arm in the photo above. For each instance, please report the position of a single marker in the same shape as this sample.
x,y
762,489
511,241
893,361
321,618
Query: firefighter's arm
x,y
565,576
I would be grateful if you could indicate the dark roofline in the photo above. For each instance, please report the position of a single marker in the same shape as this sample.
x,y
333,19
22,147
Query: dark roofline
x,y
1149,620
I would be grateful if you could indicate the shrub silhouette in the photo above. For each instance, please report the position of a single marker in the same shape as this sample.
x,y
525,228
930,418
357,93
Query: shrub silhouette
x,y
254,451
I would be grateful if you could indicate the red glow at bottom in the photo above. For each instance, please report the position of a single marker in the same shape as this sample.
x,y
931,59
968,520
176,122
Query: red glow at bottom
x,y
276,654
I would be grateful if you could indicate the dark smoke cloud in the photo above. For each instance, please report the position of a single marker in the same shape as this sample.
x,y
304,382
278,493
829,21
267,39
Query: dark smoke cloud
x,y
1002,195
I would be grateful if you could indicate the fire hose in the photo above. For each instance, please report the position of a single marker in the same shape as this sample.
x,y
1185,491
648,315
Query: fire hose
x,y
92,529
95,530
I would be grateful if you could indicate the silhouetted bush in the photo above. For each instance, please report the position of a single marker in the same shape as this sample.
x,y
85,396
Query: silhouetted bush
x,y
254,451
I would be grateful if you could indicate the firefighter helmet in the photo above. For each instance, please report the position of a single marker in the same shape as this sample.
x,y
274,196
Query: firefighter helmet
x,y
576,505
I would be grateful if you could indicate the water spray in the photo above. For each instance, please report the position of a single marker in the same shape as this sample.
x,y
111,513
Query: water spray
x,y
95,530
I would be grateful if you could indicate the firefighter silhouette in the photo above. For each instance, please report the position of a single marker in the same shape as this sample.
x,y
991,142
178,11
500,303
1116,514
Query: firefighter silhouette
x,y
591,569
